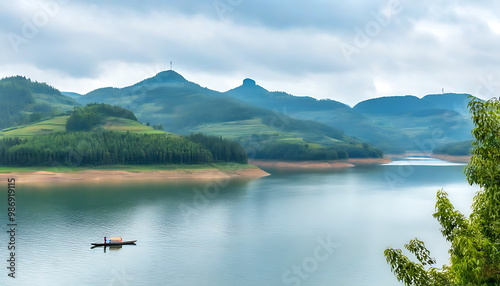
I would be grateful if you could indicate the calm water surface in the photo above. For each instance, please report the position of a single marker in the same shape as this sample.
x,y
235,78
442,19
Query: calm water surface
x,y
291,228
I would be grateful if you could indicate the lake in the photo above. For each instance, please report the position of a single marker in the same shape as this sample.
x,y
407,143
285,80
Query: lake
x,y
314,227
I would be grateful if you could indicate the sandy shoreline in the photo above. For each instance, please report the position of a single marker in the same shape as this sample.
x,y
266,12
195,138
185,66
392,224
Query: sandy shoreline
x,y
320,164
202,174
119,176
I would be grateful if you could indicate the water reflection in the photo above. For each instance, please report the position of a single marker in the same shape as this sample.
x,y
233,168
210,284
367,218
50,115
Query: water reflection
x,y
422,161
249,233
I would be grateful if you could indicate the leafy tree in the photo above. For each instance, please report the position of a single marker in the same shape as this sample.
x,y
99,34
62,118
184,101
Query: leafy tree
x,y
475,241
88,117
222,150
299,152
36,116
158,126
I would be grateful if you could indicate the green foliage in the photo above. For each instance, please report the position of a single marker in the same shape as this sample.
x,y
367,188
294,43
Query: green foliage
x,y
222,150
14,99
392,105
158,127
108,110
110,148
475,241
88,117
308,126
33,86
298,152
185,107
24,101
83,121
411,273
56,124
462,148
36,116
356,151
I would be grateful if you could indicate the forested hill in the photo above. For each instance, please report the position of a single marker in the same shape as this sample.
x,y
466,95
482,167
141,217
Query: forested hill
x,y
101,134
393,105
185,107
398,105
25,101
462,148
103,147
395,124
90,116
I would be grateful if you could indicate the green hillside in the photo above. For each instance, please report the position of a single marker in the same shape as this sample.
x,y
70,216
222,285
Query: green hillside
x,y
392,105
73,95
106,117
249,113
25,101
58,124
256,95
462,148
451,101
101,134
395,124
185,107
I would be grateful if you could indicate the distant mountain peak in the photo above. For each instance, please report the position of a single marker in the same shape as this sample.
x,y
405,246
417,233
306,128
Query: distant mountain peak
x,y
169,76
162,78
249,82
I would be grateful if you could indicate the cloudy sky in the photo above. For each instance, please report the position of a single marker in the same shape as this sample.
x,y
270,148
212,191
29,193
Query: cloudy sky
x,y
343,50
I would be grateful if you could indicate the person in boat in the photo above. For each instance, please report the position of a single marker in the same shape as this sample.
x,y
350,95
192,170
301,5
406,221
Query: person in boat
x,y
104,240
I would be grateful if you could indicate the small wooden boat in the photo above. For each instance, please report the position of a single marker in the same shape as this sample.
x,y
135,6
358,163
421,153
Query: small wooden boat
x,y
114,243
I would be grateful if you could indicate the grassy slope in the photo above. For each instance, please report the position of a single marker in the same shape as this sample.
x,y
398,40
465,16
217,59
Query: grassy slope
x,y
124,125
243,129
58,124
236,129
61,104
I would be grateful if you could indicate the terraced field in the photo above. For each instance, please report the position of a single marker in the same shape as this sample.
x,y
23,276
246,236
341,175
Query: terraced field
x,y
58,124
244,129
124,125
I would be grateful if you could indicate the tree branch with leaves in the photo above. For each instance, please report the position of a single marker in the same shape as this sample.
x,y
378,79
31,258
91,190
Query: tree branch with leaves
x,y
475,241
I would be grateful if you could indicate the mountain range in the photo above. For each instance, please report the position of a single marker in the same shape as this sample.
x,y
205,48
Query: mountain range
x,y
256,117
395,124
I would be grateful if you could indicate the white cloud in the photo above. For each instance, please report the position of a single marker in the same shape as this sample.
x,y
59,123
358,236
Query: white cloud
x,y
292,47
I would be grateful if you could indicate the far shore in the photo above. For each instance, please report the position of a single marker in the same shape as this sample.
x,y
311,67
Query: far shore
x,y
320,164
151,173
128,176
449,158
